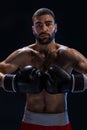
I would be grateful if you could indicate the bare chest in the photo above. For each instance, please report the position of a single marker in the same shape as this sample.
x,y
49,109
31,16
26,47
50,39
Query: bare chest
x,y
44,61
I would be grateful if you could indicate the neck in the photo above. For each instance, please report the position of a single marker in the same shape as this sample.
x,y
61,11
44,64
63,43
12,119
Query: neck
x,y
46,46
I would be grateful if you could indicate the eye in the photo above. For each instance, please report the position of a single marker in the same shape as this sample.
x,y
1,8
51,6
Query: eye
x,y
38,24
49,23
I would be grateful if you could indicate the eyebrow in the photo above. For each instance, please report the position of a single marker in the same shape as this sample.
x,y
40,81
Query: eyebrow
x,y
50,21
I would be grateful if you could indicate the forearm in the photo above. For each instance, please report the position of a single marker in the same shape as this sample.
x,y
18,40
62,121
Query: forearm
x,y
1,79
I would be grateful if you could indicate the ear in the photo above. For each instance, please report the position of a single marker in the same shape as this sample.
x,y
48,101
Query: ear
x,y
32,28
33,31
56,28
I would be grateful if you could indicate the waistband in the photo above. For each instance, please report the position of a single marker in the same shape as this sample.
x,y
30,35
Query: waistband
x,y
45,119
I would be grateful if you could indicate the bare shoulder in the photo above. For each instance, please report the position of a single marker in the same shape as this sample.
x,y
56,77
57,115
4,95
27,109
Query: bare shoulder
x,y
67,50
70,53
25,50
62,49
17,59
19,55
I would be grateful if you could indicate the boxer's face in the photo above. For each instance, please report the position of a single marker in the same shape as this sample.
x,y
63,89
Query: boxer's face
x,y
44,29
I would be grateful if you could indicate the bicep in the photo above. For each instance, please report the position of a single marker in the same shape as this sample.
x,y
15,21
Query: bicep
x,y
10,64
7,67
81,66
76,60
16,60
80,62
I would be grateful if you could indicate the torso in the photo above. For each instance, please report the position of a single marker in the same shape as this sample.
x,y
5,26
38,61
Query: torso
x,y
45,102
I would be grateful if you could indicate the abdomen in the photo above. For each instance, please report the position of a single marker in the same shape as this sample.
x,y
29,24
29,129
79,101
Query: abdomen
x,y
46,103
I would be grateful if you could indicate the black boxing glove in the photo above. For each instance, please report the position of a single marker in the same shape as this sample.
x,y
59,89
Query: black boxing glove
x,y
26,80
59,81
56,77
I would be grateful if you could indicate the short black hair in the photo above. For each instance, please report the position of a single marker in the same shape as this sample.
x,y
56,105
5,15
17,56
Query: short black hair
x,y
43,11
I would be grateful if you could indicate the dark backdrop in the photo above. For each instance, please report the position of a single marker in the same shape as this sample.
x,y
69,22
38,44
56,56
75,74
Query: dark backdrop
x,y
15,32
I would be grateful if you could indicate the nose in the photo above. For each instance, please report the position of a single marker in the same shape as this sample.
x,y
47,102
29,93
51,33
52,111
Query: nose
x,y
44,27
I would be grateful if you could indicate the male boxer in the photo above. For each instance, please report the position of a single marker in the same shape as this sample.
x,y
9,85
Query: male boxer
x,y
40,75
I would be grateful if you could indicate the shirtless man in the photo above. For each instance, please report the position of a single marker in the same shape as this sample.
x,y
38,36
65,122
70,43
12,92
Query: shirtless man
x,y
45,109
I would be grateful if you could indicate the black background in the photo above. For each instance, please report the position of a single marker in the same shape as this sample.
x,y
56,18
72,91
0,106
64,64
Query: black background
x,y
16,32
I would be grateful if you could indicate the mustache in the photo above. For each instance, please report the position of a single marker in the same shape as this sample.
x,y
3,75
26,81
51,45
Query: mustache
x,y
43,33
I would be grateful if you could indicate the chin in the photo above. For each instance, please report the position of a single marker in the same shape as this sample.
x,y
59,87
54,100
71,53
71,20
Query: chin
x,y
45,41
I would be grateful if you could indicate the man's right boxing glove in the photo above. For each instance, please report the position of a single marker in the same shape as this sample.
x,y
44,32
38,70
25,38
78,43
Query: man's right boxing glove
x,y
59,81
26,80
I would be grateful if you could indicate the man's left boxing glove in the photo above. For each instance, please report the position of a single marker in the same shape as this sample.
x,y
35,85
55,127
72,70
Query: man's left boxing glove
x,y
56,77
59,81
26,80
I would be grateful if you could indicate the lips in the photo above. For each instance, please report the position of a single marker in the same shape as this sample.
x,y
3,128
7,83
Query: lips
x,y
44,35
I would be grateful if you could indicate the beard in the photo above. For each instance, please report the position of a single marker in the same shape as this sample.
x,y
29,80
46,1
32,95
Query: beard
x,y
44,41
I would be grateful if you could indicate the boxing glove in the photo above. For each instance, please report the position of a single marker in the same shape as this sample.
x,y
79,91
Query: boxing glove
x,y
59,81
26,80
